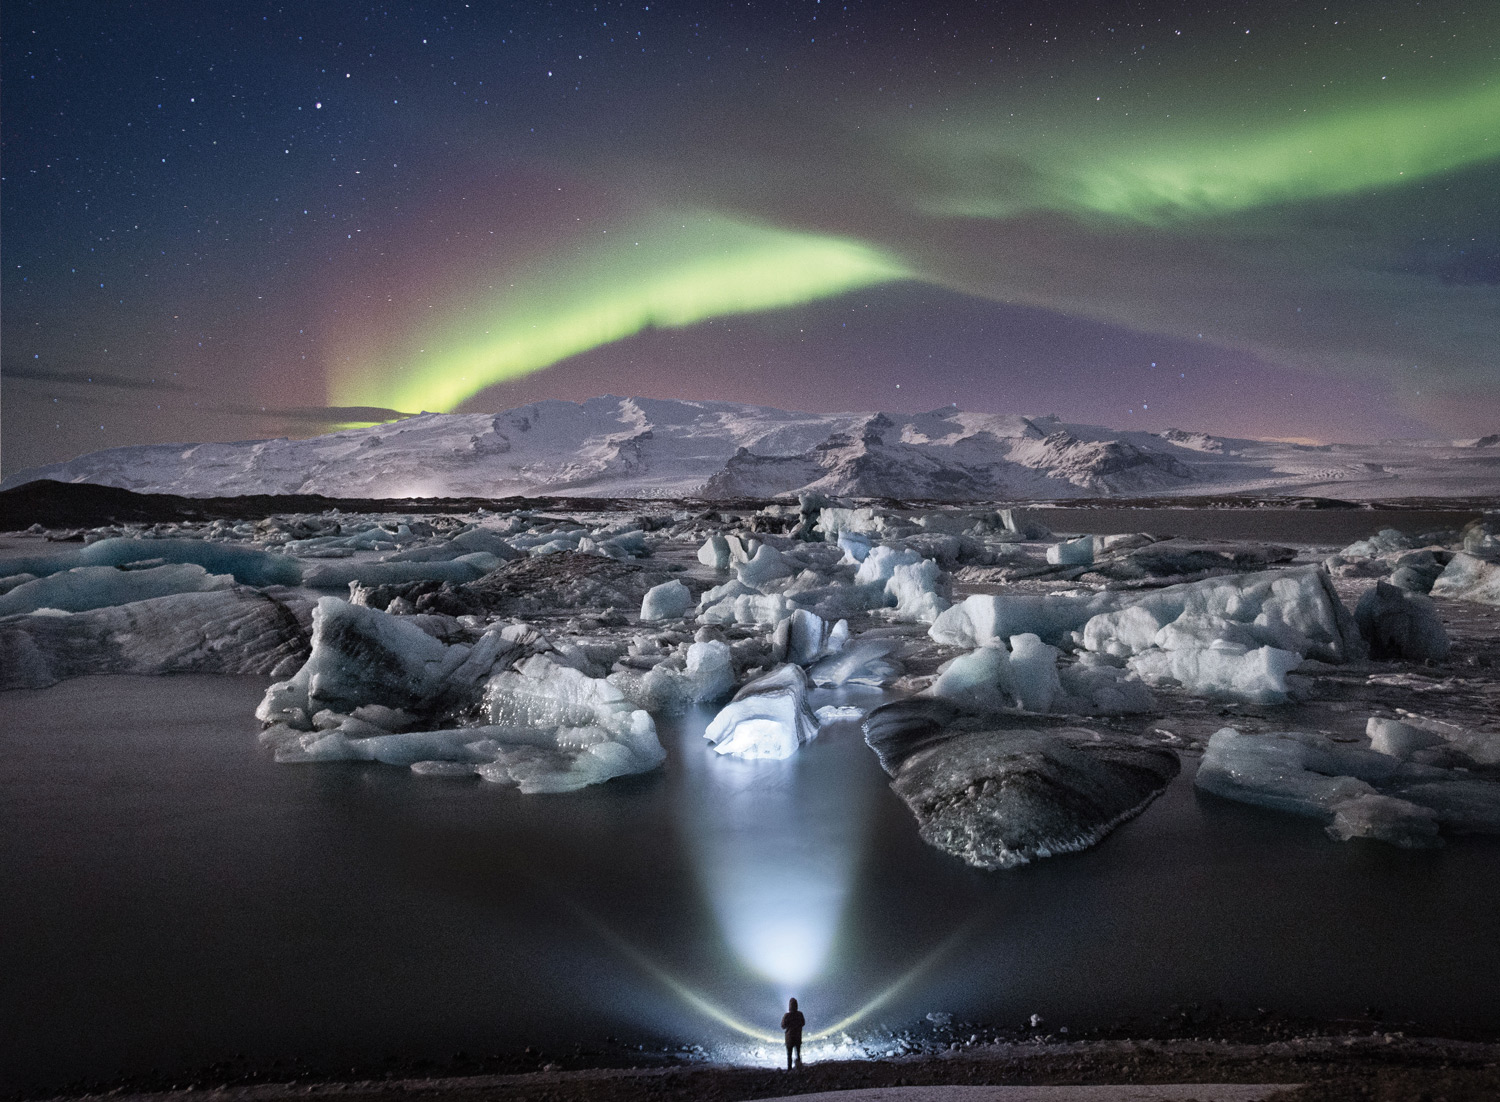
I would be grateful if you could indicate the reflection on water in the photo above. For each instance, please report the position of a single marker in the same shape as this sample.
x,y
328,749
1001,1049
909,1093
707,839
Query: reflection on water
x,y
185,899
775,846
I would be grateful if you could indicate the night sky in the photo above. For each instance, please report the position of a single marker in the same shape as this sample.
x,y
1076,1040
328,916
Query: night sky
x,y
238,220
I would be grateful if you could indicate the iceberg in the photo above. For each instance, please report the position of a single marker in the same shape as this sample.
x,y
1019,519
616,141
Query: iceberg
x,y
247,565
362,656
88,587
999,798
915,587
767,718
1398,624
667,601
1358,793
236,630
1469,578
706,675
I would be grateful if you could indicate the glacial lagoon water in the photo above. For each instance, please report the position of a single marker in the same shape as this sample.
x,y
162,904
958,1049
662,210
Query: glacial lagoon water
x,y
171,898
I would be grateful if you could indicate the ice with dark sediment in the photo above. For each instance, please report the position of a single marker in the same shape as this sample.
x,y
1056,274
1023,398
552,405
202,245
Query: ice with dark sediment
x,y
1396,624
235,630
998,797
768,718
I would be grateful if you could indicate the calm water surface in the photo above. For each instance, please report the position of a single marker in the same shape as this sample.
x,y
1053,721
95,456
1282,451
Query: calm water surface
x,y
170,897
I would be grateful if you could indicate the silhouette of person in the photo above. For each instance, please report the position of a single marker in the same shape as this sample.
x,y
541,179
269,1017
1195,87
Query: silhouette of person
x,y
793,1021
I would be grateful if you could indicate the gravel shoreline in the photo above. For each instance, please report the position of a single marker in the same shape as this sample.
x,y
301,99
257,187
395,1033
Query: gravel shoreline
x,y
1376,1067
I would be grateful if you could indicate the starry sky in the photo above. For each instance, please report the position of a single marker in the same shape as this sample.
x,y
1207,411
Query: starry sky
x,y
237,220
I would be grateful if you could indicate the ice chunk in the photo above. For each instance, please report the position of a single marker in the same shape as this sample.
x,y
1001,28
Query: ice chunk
x,y
768,718
1396,624
365,656
1307,774
1293,609
915,587
985,619
218,631
880,564
856,547
1288,771
766,565
1079,552
1093,687
1469,578
667,601
804,637
88,587
595,733
714,553
1382,543
863,662
1002,798
1226,672
977,681
1385,819
707,675
753,608
1415,571
10,582
247,565
338,575
1399,740
1033,673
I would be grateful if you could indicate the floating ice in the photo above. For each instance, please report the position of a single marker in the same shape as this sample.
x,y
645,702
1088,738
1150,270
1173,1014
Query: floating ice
x,y
1002,798
1360,793
595,733
1225,671
804,637
915,587
339,575
1294,610
219,631
856,547
862,662
1079,552
1470,579
364,656
766,565
768,718
667,601
1033,673
748,608
706,675
1396,624
986,619
87,587
715,553
880,564
247,565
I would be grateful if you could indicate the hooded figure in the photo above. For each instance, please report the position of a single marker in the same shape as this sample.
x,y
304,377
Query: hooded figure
x,y
793,1021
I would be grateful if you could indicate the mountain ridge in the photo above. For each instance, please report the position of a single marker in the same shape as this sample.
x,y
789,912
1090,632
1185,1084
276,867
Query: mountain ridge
x,y
615,446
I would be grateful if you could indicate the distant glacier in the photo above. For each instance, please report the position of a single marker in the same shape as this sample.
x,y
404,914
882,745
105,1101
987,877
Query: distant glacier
x,y
663,448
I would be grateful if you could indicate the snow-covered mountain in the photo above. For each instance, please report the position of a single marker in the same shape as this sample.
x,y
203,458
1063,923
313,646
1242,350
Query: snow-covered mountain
x,y
645,447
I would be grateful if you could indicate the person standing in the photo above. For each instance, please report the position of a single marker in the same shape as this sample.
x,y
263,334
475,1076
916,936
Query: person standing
x,y
792,1022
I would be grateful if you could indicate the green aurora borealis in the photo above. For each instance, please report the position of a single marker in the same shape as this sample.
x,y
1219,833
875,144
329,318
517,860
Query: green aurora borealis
x,y
668,273
1276,218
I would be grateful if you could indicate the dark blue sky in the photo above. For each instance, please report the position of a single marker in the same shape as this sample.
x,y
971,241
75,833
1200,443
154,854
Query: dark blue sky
x,y
238,220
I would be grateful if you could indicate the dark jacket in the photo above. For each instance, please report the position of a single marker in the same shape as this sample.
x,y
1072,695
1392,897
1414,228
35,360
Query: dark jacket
x,y
793,1021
